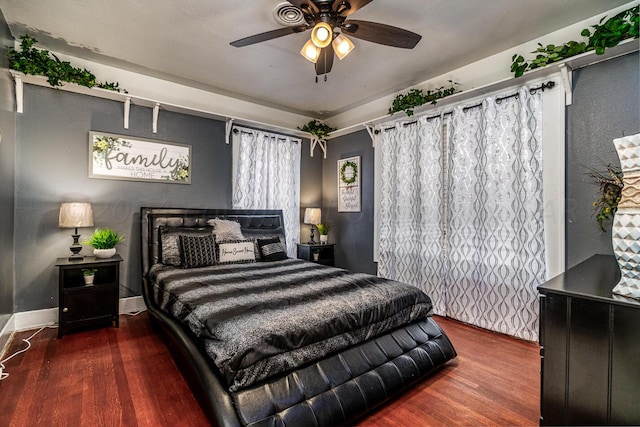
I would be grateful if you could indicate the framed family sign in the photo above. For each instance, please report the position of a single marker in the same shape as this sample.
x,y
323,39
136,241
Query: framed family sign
x,y
349,184
137,159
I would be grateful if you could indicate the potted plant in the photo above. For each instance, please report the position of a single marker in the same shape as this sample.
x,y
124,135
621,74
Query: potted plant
x,y
323,229
104,241
88,274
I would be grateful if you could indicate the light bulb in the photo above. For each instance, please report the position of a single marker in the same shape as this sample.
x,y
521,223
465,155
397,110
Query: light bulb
x,y
321,34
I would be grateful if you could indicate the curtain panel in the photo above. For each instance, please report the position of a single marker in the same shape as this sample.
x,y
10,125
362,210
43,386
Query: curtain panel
x,y
461,213
411,238
267,176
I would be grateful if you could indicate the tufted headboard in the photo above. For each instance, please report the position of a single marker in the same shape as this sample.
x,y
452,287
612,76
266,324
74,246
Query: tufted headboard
x,y
252,222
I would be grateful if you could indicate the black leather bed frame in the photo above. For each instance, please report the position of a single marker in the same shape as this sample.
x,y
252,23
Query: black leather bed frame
x,y
334,391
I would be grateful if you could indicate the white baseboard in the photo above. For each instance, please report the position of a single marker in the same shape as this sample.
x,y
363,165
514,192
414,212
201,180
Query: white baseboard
x,y
37,318
5,334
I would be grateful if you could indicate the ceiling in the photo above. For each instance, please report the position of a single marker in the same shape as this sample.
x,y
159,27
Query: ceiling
x,y
188,42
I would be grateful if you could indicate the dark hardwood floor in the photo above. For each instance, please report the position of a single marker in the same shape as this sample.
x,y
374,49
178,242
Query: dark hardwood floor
x,y
126,377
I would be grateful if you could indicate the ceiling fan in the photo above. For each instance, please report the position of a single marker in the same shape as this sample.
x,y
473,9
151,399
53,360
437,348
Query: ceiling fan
x,y
327,20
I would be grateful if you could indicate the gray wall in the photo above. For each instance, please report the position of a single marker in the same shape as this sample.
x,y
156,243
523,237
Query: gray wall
x,y
606,105
52,158
7,177
351,231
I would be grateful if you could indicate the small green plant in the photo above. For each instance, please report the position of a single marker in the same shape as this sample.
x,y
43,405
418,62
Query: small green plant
x,y
30,60
89,271
104,238
610,183
318,129
323,229
417,97
605,35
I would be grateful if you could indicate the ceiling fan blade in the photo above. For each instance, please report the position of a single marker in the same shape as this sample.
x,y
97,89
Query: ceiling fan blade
x,y
269,35
381,33
325,61
354,5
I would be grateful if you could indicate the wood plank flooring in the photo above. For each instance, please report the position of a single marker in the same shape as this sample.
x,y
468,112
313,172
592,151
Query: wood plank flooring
x,y
126,377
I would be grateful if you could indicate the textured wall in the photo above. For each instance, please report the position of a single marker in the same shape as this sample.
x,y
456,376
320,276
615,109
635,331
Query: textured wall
x,y
351,231
7,176
606,105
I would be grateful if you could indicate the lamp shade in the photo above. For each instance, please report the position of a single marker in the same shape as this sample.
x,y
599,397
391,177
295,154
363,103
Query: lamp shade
x,y
74,215
312,216
342,46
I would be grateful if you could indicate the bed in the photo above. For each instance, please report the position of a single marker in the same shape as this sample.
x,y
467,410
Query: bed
x,y
280,341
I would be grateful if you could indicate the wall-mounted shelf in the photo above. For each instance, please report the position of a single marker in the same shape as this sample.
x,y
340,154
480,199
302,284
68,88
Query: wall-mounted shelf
x,y
127,99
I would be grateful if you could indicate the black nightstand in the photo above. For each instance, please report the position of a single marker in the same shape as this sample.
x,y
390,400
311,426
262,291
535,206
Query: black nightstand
x,y
324,253
83,305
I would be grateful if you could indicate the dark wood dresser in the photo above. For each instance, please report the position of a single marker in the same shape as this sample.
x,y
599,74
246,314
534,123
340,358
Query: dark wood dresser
x,y
590,348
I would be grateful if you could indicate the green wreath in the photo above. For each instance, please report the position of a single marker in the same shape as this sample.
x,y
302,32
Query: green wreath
x,y
344,167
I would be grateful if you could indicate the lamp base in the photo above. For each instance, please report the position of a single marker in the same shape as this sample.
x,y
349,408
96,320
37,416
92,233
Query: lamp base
x,y
311,237
75,248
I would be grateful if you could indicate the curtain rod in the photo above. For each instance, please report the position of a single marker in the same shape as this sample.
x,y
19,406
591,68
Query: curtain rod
x,y
548,85
279,137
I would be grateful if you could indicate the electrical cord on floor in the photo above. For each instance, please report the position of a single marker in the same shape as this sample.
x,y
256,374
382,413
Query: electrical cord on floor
x,y
4,375
136,313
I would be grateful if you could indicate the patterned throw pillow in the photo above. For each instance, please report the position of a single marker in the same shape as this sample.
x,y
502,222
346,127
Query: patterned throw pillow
x,y
235,252
197,251
170,243
272,249
225,229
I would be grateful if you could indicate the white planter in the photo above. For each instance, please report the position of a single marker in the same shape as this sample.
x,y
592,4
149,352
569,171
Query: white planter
x,y
626,223
324,238
88,280
104,253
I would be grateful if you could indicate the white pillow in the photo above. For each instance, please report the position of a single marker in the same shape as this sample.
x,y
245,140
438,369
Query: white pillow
x,y
235,252
225,229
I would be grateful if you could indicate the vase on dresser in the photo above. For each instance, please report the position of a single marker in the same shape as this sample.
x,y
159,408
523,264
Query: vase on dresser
x,y
626,223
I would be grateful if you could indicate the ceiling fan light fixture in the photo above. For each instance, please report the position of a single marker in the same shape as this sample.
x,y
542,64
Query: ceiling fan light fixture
x,y
322,34
342,46
310,51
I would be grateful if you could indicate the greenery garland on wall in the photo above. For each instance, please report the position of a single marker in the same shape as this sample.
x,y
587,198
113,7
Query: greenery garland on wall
x,y
30,60
318,129
417,97
621,27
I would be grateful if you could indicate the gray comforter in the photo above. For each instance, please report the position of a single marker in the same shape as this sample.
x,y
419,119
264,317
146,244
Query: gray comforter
x,y
263,319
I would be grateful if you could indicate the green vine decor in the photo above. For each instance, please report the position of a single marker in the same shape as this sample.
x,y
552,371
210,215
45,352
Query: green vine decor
x,y
610,183
343,170
30,60
318,129
417,97
616,29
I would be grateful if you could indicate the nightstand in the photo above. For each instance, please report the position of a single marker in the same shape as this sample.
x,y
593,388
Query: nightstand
x,y
324,253
83,305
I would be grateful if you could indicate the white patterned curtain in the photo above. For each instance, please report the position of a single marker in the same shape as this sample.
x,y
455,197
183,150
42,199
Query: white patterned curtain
x,y
475,244
495,234
267,176
411,206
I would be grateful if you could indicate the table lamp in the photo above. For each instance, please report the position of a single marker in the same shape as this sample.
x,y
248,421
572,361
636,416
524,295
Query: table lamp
x,y
75,215
312,216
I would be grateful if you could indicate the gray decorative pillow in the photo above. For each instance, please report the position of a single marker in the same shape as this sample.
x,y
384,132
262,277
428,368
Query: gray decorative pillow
x,y
225,229
271,249
255,237
170,242
235,252
197,251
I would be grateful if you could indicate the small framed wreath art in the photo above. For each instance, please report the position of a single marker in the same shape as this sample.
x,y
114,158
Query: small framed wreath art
x,y
349,184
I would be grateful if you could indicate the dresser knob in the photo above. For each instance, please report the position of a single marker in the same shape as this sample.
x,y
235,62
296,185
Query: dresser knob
x,y
64,310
